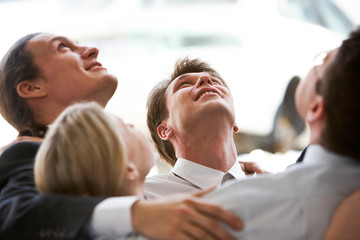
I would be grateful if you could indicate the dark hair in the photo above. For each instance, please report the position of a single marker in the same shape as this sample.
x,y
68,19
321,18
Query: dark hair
x,y
340,89
156,103
16,66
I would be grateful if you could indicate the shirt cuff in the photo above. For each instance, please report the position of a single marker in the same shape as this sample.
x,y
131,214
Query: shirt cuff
x,y
112,217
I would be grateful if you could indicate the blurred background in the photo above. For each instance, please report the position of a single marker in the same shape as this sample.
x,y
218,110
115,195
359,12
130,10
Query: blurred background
x,y
258,46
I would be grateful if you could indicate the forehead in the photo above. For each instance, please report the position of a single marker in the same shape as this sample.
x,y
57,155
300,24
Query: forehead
x,y
330,56
42,42
327,60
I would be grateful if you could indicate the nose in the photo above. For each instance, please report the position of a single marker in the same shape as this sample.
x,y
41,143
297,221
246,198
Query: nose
x,y
89,52
204,79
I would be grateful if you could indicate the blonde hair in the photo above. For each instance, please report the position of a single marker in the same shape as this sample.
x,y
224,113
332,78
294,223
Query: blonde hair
x,y
82,153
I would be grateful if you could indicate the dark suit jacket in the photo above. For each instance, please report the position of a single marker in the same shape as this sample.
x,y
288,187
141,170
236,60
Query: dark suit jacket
x,y
25,214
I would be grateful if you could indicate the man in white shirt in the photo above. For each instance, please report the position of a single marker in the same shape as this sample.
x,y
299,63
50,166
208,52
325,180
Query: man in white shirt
x,y
40,76
191,120
299,203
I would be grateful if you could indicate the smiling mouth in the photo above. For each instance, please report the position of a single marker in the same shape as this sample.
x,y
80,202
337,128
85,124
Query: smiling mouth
x,y
93,66
205,93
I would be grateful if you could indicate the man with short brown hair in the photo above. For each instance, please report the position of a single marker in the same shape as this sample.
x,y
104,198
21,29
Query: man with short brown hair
x,y
191,120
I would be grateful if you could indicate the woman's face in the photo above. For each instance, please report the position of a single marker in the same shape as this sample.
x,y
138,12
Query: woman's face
x,y
139,150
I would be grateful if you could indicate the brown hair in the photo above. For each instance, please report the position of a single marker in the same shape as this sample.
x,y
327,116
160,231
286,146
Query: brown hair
x,y
16,66
83,153
340,88
156,103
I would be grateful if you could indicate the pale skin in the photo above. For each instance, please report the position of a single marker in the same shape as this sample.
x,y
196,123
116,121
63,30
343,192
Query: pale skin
x,y
252,167
309,104
85,79
68,73
200,111
140,157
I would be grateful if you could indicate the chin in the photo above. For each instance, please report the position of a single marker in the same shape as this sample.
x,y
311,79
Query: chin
x,y
214,107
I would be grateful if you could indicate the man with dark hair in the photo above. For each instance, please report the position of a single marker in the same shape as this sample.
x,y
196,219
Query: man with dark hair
x,y
343,81
191,120
299,203
40,76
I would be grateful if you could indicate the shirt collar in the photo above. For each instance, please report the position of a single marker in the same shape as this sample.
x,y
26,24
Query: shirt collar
x,y
317,153
202,176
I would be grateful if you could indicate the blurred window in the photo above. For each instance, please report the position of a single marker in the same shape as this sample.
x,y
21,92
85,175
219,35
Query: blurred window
x,y
320,12
181,2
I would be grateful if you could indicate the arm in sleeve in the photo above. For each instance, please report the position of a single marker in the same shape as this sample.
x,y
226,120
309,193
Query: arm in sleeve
x,y
112,217
25,214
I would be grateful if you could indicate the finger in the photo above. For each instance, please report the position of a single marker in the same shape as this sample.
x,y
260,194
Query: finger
x,y
218,213
247,167
194,231
260,170
242,167
203,226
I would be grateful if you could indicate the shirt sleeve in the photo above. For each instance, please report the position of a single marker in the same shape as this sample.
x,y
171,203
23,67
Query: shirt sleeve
x,y
112,217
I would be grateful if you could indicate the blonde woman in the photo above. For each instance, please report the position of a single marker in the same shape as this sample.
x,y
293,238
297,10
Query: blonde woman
x,y
92,153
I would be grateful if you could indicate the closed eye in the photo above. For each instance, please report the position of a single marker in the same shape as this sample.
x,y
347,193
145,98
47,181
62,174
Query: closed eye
x,y
62,46
216,81
183,84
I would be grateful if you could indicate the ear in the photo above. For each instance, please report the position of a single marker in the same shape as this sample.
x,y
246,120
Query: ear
x,y
30,89
131,172
235,128
164,131
316,110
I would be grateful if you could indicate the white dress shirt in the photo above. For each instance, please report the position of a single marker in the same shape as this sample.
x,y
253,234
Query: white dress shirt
x,y
112,217
185,177
295,204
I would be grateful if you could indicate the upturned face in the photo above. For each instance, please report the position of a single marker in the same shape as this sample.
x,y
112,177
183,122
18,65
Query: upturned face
x,y
139,150
306,90
193,96
70,72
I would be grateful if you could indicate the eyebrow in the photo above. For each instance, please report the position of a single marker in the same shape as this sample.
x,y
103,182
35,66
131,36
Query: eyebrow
x,y
179,78
182,76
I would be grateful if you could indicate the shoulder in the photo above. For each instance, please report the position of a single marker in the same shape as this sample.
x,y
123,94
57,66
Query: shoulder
x,y
20,150
17,159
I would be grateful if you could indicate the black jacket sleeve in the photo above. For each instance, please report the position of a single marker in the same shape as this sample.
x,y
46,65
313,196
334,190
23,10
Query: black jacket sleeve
x,y
24,213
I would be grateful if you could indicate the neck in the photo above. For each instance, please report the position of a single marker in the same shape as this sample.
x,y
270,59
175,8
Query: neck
x,y
46,116
133,188
315,133
44,112
209,143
